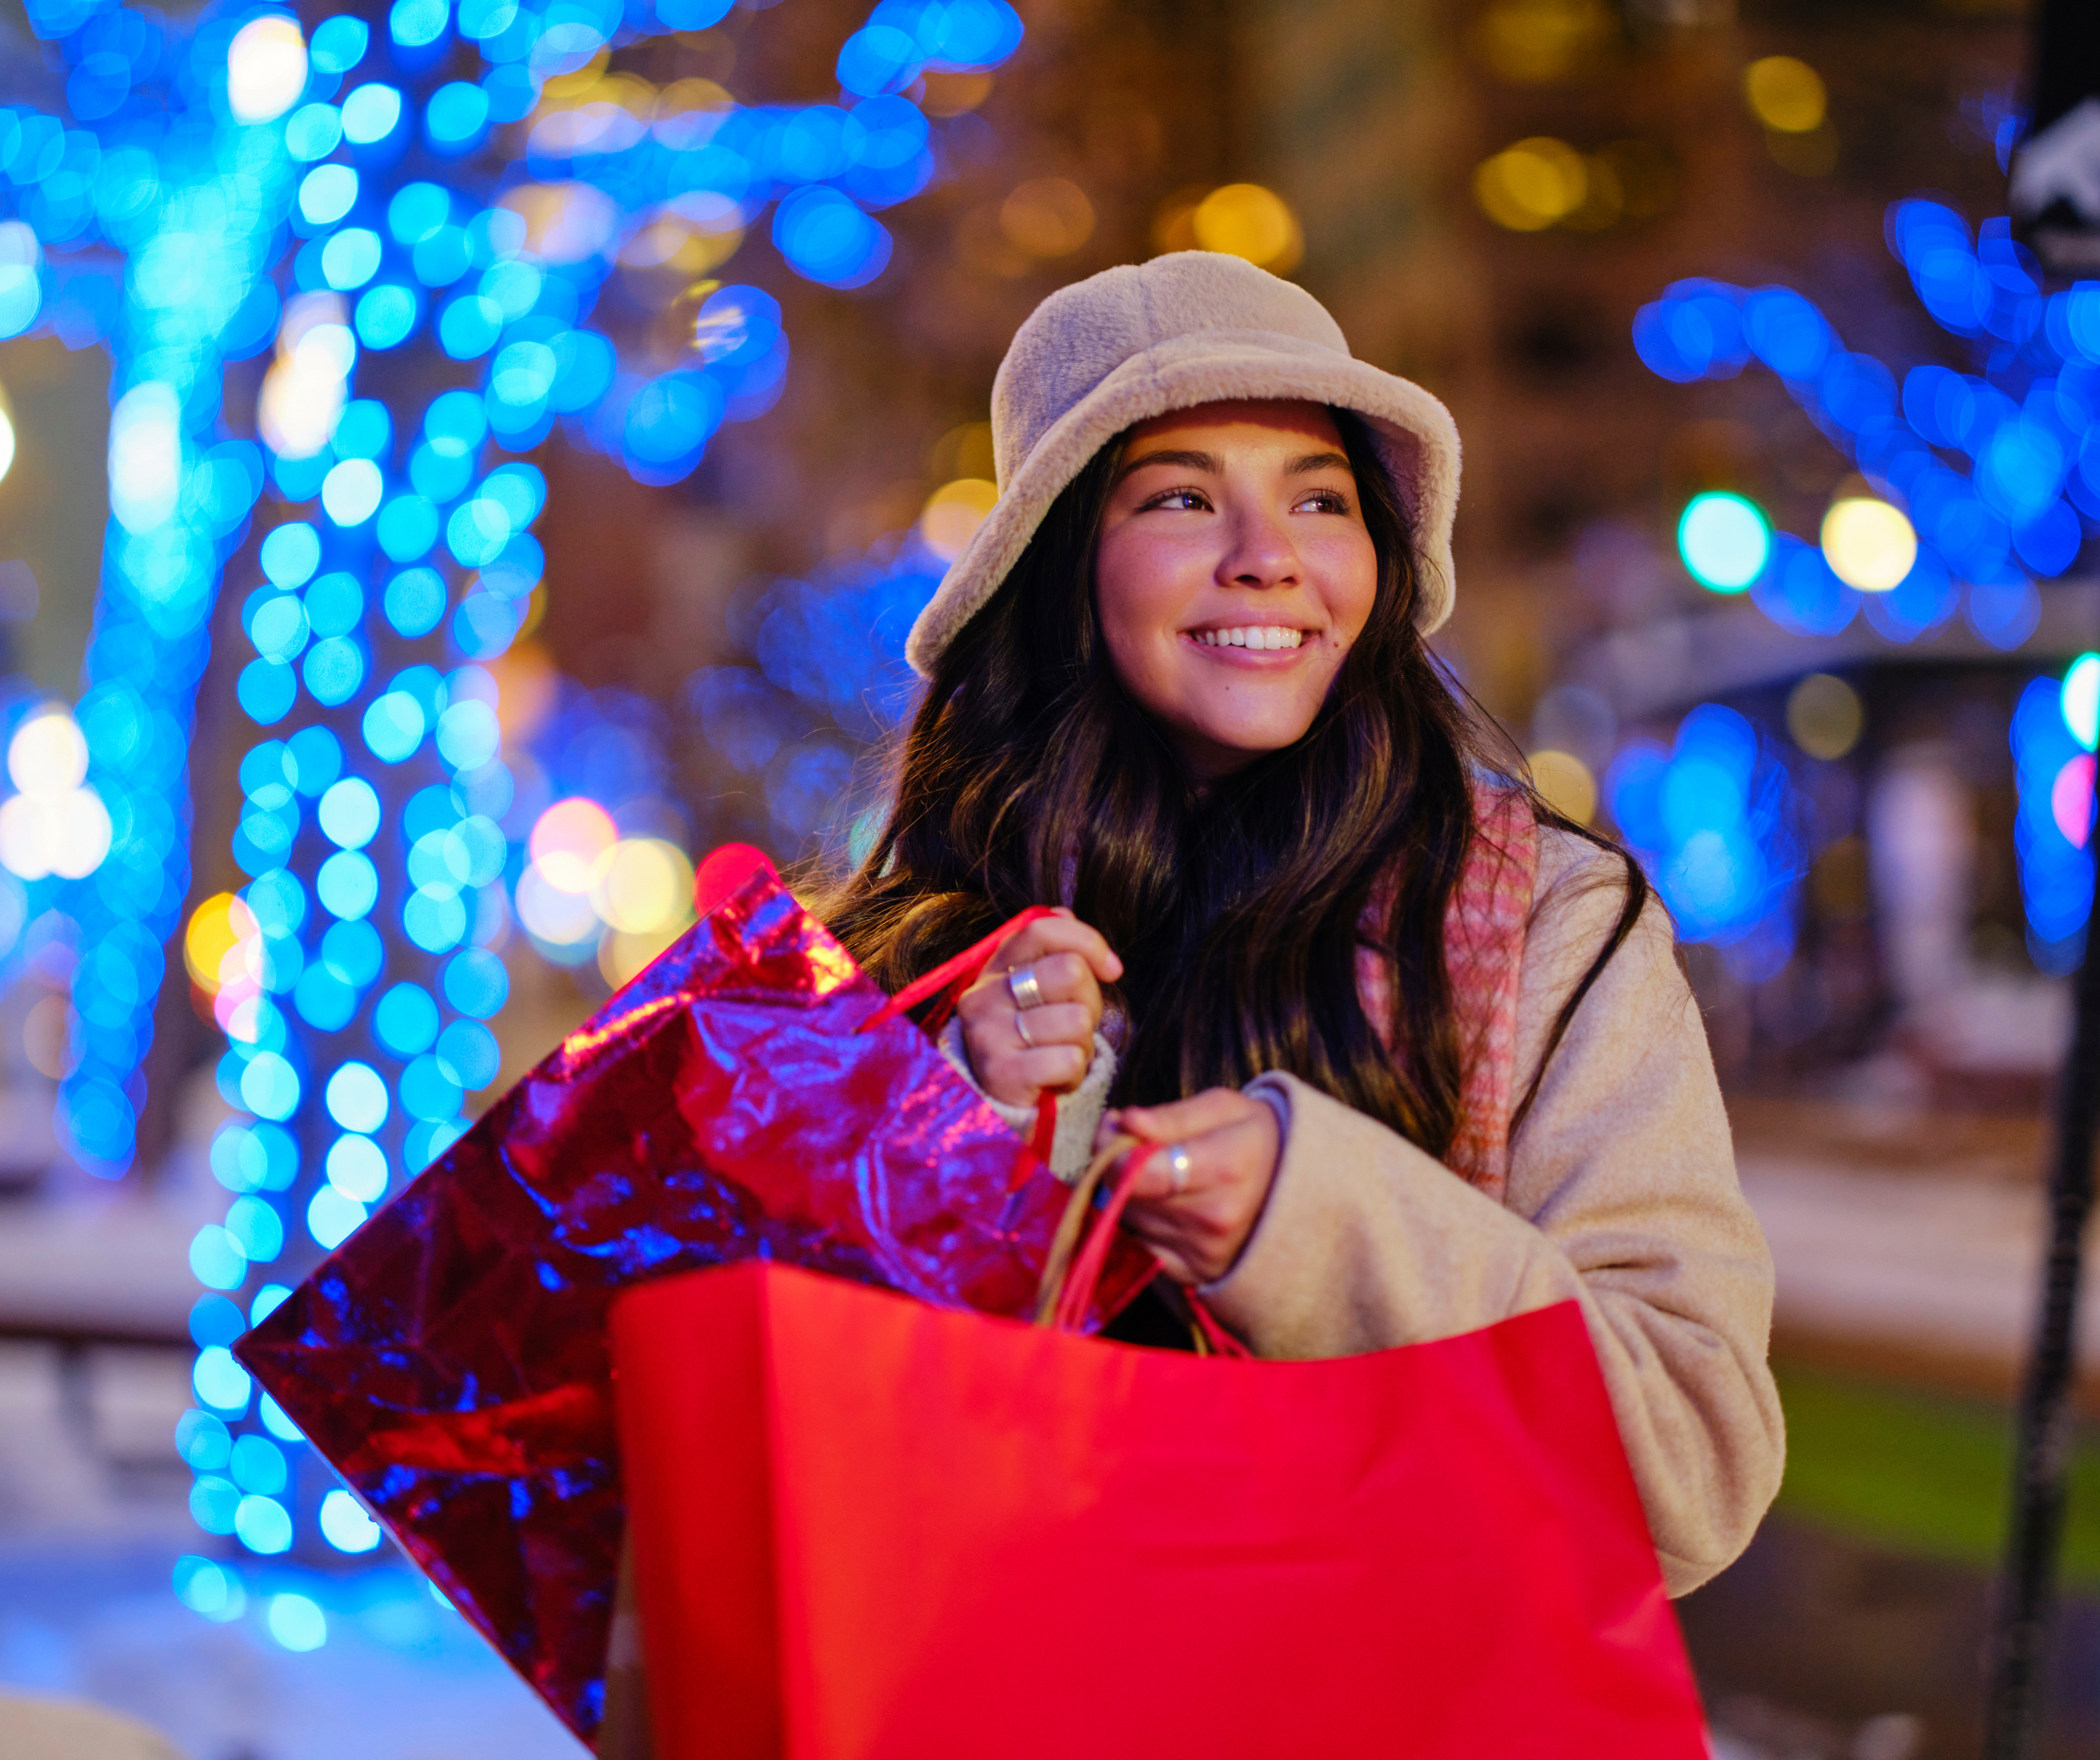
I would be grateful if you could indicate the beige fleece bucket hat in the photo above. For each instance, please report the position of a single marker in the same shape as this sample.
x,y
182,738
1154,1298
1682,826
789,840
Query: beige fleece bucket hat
x,y
1191,327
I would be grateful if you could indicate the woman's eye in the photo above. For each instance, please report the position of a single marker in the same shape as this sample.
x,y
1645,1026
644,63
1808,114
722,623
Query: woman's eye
x,y
1326,501
1180,500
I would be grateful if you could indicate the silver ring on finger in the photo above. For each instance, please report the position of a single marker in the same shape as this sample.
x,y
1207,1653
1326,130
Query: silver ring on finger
x,y
1021,986
1177,1167
1020,1027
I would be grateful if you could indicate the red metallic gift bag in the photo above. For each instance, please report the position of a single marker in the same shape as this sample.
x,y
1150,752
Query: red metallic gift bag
x,y
864,1529
752,1095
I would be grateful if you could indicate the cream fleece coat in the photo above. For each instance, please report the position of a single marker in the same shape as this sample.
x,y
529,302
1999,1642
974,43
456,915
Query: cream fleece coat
x,y
1622,1195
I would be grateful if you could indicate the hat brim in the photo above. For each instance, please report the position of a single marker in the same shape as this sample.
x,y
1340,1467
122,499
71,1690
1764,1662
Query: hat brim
x,y
1417,440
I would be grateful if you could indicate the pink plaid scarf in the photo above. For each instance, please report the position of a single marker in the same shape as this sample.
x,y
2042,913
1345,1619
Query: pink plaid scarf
x,y
1484,935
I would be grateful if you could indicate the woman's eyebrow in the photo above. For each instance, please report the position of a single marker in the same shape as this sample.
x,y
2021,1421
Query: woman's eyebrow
x,y
1195,461
1317,461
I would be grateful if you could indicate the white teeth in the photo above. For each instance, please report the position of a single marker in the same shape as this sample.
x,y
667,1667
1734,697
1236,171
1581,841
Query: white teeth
x,y
1265,636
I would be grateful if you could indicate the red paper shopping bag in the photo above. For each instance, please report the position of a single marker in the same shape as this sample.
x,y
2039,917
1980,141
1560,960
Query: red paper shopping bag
x,y
751,1095
867,1530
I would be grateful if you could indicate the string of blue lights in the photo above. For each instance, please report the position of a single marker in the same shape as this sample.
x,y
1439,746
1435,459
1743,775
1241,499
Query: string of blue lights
x,y
2023,427
1981,483
329,200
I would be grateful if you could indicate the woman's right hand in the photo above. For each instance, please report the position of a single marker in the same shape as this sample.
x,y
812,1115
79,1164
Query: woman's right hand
x,y
1071,962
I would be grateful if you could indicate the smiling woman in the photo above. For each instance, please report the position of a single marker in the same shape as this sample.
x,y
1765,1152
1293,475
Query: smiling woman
x,y
1415,1046
1234,571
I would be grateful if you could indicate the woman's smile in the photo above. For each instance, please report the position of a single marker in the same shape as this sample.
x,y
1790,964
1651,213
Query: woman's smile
x,y
1251,639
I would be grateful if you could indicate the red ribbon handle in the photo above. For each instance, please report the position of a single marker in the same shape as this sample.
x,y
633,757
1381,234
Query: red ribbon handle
x,y
948,981
1092,1260
955,975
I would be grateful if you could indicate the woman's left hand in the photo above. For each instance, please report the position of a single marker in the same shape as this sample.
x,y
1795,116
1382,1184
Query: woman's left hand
x,y
1233,1143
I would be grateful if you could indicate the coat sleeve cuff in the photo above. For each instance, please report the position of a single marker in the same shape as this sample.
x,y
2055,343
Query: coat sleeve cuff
x,y
1078,1112
1366,1242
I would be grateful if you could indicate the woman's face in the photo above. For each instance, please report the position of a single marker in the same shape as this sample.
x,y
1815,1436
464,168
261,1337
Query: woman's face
x,y
1234,572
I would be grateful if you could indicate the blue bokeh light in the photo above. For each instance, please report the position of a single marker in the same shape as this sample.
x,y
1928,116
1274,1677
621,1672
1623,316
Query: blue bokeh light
x,y
826,237
327,194
1724,540
406,1020
357,1098
346,1525
1717,823
370,113
2056,874
417,24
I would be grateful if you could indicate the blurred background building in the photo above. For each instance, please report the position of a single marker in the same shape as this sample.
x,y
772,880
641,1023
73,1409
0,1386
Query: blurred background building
x,y
459,465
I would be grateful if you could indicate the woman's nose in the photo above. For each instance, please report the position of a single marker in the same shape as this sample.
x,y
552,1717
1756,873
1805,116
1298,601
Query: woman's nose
x,y
1259,552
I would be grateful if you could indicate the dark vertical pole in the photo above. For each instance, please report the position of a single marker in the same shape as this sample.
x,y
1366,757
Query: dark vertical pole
x,y
2066,71
2020,1647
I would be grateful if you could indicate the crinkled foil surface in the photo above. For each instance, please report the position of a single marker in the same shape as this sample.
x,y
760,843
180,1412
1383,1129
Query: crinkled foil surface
x,y
451,1361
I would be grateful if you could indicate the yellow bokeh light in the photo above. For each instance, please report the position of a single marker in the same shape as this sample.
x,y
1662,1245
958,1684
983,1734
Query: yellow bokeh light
x,y
622,956
65,834
953,513
1825,715
1046,217
964,451
1785,94
683,97
552,913
526,689
565,223
949,94
1565,784
1174,222
1868,543
1246,220
572,844
218,929
48,756
647,888
570,87
680,245
1529,187
1538,42
304,391
630,92
266,68
55,824
1604,200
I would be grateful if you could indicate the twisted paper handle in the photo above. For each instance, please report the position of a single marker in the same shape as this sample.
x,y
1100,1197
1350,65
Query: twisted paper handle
x,y
1072,1272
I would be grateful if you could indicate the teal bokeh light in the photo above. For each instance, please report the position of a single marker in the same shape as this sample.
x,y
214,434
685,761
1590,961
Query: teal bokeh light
x,y
1725,540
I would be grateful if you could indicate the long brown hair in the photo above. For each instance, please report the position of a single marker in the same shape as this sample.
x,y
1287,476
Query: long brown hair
x,y
1028,775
